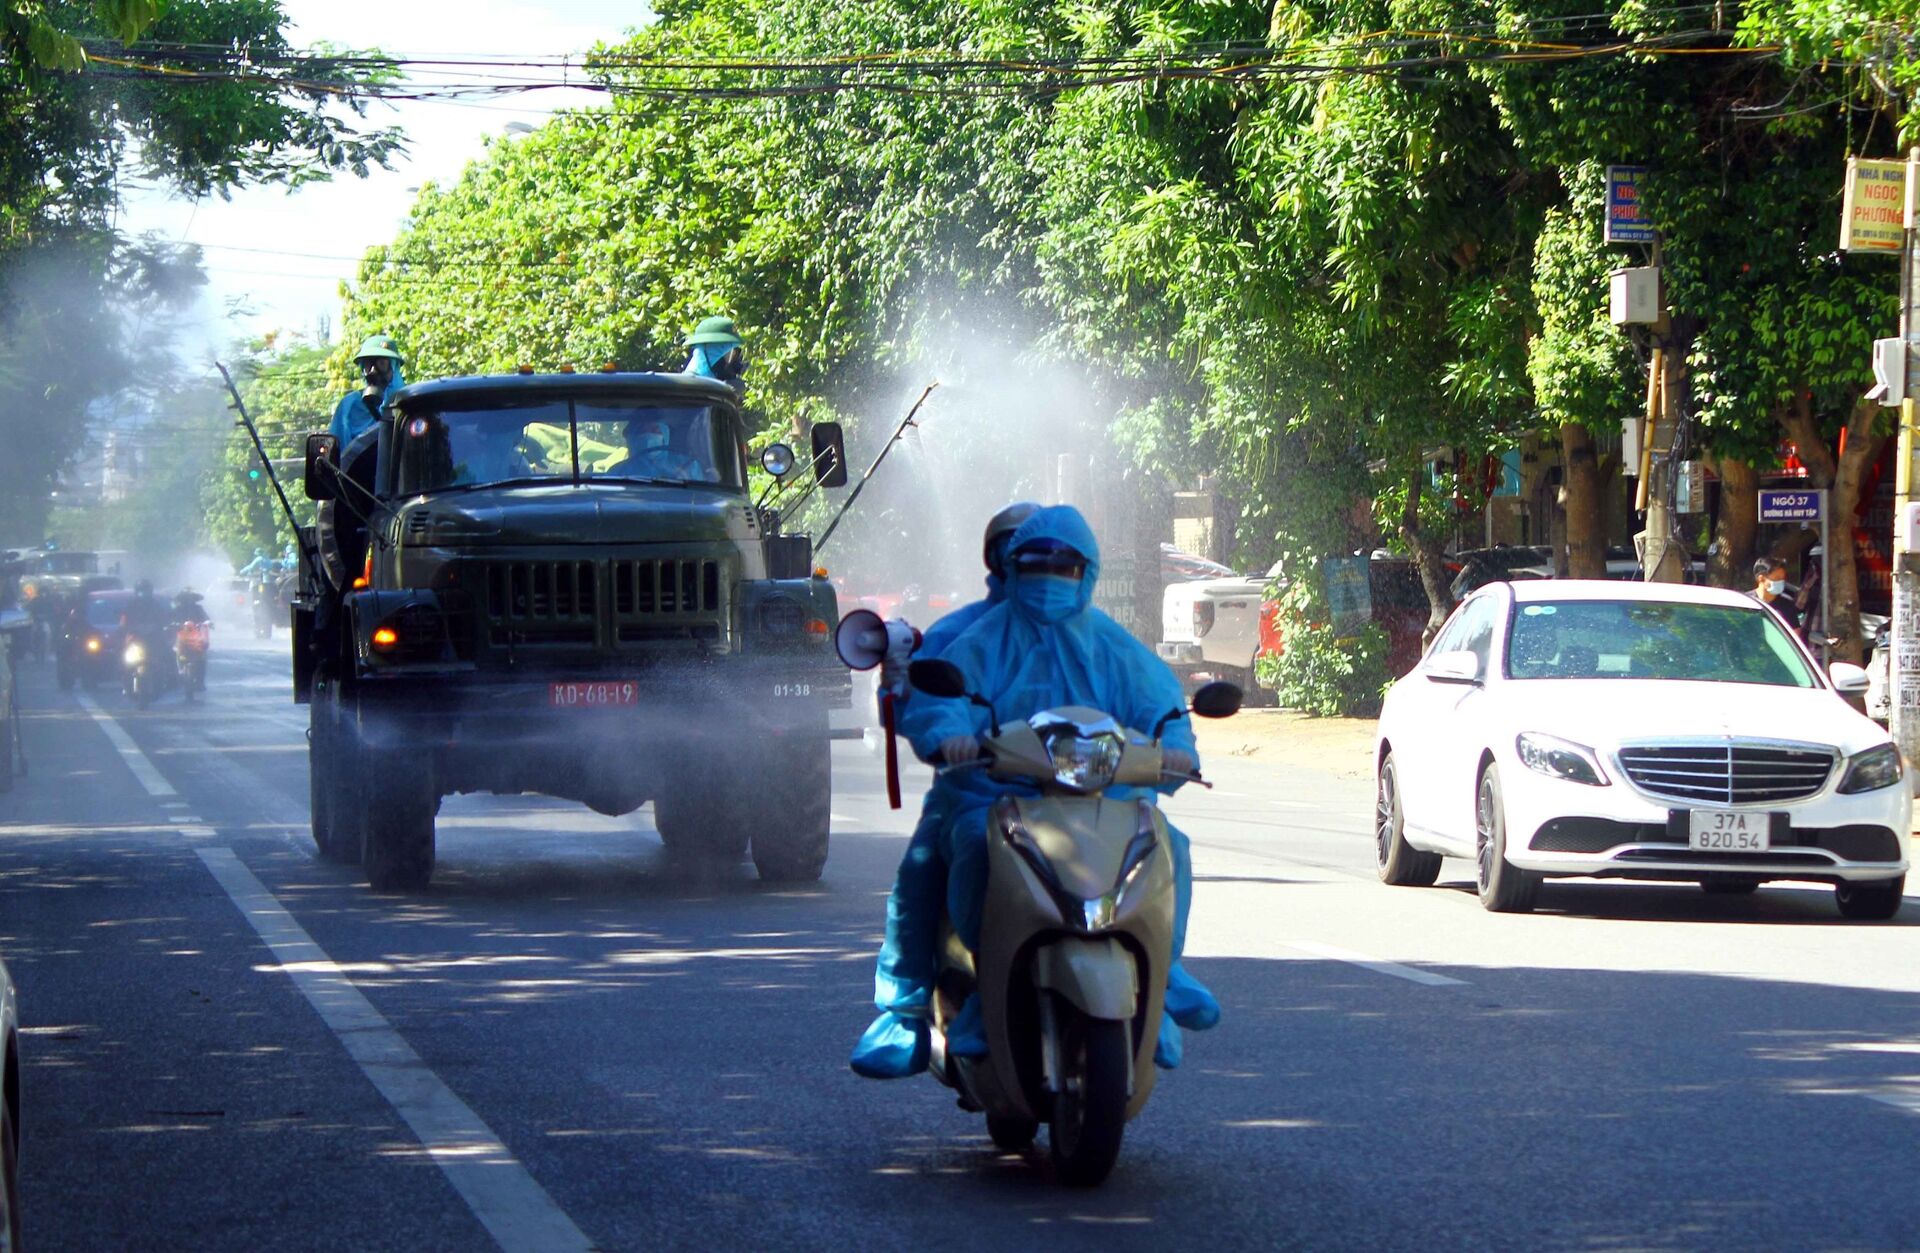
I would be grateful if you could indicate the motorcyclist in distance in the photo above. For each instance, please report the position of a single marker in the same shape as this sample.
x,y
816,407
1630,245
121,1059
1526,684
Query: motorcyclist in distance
x,y
1045,647
144,614
260,564
896,1044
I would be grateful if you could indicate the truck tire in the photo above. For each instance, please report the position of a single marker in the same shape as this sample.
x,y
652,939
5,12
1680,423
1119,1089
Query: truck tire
x,y
329,767
792,807
396,825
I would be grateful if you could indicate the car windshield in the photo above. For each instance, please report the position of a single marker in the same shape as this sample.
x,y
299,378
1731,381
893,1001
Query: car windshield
x,y
475,445
105,611
1637,639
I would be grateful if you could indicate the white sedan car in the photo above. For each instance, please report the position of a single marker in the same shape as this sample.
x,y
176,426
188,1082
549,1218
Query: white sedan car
x,y
1646,731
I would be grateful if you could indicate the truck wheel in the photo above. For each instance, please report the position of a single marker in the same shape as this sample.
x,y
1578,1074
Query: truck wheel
x,y
335,834
396,826
792,810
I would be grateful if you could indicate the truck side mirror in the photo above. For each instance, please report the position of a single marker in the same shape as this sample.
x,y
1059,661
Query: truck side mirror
x,y
829,454
322,472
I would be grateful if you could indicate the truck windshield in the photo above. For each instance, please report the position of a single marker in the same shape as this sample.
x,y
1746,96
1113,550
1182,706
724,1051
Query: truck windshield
x,y
573,441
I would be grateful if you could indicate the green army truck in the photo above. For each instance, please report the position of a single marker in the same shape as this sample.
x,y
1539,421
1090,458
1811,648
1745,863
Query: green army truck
x,y
560,584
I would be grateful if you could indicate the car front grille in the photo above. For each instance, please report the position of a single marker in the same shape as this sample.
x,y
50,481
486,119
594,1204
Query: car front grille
x,y
1728,773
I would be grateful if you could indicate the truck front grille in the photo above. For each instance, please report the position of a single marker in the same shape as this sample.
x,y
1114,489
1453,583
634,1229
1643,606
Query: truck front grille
x,y
542,593
606,605
1728,773
649,589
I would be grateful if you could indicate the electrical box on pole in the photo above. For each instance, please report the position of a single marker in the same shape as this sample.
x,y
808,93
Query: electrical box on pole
x,y
1889,371
1634,296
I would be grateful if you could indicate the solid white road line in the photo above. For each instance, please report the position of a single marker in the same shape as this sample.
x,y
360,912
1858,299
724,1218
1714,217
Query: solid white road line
x,y
1410,973
143,770
515,1209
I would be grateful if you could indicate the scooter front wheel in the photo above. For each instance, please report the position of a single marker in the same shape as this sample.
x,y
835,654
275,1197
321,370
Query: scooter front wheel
x,y
1090,1111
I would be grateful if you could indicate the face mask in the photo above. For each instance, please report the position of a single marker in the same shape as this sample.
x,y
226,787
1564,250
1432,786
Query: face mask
x,y
650,441
1047,598
1776,586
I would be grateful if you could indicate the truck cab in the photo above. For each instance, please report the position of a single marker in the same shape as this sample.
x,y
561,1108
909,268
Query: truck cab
x,y
559,584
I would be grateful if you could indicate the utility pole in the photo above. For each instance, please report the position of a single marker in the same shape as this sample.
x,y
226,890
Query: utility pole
x,y
1660,557
1904,667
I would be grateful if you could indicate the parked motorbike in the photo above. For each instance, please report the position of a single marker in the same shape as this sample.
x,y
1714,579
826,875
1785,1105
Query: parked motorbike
x,y
147,675
1077,934
190,643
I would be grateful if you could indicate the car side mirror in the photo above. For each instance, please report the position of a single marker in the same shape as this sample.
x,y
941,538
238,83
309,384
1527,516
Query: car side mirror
x,y
1848,679
1453,667
321,473
829,454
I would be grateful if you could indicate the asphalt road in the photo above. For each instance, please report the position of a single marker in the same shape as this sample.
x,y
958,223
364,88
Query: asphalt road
x,y
571,1042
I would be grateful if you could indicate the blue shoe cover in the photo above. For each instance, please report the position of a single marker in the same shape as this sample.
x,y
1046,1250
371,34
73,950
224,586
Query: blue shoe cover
x,y
1188,1001
1168,1049
967,1034
893,1048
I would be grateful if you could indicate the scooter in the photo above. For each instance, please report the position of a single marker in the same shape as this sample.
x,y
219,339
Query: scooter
x,y
1077,933
190,643
146,678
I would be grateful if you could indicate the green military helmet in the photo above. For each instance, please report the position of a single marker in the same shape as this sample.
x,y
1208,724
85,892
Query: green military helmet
x,y
379,346
715,331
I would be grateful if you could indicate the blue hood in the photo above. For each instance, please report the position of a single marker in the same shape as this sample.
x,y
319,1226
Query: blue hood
x,y
1068,526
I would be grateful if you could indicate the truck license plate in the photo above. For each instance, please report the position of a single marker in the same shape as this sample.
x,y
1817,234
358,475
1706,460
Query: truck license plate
x,y
593,695
1716,830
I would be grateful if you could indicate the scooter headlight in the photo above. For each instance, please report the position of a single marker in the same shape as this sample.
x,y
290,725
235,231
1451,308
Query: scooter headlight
x,y
1084,755
134,655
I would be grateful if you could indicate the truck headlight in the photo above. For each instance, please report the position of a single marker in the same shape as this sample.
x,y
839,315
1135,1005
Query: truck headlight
x,y
1562,759
1874,769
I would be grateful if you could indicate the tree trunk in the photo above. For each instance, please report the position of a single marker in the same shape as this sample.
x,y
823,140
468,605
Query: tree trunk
x,y
1731,562
1426,559
1580,500
1843,475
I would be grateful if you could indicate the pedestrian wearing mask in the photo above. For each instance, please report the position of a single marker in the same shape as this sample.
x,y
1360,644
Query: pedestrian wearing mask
x,y
1770,589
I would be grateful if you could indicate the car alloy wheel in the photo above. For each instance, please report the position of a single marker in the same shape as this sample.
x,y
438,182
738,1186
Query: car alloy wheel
x,y
1504,887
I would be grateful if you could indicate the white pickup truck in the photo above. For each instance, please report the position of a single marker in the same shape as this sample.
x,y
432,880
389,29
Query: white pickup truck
x,y
1210,628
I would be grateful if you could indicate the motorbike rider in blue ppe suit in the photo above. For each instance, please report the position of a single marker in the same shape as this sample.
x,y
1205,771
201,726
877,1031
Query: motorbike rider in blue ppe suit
x,y
1044,647
379,364
897,1043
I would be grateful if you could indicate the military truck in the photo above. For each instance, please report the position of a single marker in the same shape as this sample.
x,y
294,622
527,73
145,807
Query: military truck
x,y
560,584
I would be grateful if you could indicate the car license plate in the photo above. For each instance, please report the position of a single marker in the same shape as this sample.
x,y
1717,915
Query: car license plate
x,y
1719,831
596,695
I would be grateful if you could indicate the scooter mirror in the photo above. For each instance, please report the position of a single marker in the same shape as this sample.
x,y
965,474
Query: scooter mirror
x,y
1218,699
937,678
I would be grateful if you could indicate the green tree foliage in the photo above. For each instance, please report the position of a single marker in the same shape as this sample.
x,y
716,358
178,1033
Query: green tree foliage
x,y
1305,284
200,95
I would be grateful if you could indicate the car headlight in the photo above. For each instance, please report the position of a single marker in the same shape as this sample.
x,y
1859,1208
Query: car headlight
x,y
93,643
1874,769
1085,763
134,655
1563,759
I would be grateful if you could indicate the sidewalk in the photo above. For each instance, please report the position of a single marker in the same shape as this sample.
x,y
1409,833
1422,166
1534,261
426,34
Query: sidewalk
x,y
1341,746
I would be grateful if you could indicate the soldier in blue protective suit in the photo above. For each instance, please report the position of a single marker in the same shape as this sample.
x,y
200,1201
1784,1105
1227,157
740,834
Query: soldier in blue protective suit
x,y
896,1045
379,364
1048,646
